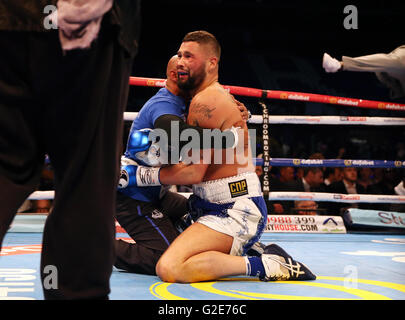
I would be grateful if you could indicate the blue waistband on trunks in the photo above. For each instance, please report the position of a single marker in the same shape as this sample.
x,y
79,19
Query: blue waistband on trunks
x,y
199,207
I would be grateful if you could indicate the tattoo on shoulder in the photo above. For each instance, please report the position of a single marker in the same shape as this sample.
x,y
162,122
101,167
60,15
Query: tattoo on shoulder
x,y
203,109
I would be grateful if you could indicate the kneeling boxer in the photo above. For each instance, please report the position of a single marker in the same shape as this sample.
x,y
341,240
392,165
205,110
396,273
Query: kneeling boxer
x,y
148,214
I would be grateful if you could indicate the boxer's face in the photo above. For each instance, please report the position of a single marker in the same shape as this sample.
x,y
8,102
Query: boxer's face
x,y
191,66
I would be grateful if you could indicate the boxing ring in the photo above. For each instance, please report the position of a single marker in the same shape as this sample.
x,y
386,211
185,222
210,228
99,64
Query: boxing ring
x,y
349,265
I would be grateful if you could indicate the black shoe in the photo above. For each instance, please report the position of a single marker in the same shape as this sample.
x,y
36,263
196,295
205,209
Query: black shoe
x,y
279,265
256,250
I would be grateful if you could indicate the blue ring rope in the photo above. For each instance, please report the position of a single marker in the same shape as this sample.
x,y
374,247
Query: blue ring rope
x,y
287,162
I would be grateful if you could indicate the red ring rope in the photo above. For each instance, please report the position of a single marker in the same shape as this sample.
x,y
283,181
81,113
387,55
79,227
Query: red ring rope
x,y
285,95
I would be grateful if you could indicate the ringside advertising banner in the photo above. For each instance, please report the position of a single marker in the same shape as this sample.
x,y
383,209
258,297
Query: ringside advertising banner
x,y
376,218
305,224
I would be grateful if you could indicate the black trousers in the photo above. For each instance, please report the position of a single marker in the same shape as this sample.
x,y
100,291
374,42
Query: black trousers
x,y
70,107
151,225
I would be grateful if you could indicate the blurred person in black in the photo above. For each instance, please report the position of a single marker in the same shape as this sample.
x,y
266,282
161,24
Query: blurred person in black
x,y
63,92
312,181
280,183
365,177
332,175
382,184
286,175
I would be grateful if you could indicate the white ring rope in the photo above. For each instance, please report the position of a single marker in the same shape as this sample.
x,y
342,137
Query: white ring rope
x,y
321,120
285,196
336,197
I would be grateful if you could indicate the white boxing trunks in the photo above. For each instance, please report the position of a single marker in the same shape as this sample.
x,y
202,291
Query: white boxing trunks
x,y
234,206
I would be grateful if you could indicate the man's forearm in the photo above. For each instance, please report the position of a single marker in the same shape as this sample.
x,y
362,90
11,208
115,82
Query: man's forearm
x,y
175,126
182,174
372,63
133,175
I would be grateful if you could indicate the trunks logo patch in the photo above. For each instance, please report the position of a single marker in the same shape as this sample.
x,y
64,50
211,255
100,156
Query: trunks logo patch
x,y
238,188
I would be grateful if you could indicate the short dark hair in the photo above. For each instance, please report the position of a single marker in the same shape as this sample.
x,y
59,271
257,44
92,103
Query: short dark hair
x,y
204,37
311,169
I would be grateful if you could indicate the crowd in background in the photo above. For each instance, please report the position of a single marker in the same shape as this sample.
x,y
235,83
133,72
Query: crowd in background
x,y
337,180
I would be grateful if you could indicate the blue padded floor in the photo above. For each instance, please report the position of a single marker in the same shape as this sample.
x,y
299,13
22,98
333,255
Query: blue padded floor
x,y
348,266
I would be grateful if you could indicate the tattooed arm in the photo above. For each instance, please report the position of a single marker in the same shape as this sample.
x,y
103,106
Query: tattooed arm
x,y
215,111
